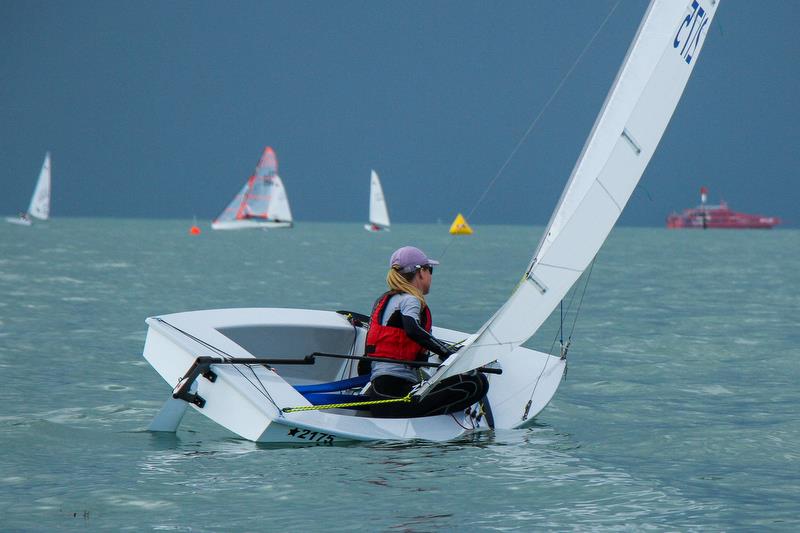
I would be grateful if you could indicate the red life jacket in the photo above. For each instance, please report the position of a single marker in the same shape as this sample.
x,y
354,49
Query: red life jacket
x,y
391,341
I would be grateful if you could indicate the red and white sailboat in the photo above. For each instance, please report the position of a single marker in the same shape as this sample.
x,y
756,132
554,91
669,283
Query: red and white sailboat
x,y
261,203
718,217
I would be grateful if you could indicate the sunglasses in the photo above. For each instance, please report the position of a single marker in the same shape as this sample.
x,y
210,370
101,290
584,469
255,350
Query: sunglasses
x,y
429,268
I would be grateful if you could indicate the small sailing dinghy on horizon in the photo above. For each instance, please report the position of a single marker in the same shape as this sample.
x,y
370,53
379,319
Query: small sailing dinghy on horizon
x,y
40,200
378,211
267,374
261,203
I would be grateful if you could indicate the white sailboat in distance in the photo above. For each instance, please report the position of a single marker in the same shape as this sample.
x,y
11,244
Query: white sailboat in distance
x,y
378,211
261,203
40,201
267,374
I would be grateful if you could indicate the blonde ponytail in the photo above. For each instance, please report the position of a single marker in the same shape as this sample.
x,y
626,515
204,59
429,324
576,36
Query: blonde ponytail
x,y
398,281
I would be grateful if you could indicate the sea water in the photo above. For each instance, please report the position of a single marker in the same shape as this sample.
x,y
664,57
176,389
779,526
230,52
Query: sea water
x,y
679,410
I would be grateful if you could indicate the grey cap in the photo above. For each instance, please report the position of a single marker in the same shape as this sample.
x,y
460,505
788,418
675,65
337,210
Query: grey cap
x,y
409,259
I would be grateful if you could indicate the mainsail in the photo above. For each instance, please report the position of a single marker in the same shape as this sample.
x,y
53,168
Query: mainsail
x,y
625,135
261,200
378,212
40,201
278,205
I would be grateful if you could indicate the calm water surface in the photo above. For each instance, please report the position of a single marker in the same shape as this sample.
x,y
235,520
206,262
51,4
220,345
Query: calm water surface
x,y
679,411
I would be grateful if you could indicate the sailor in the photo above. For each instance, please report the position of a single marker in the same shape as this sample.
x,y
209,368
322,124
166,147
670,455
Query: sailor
x,y
400,328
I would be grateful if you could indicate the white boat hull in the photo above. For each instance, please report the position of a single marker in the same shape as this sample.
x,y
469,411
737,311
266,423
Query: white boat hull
x,y
248,400
18,221
250,224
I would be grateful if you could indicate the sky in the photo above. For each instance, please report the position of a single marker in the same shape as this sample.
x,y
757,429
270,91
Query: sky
x,y
156,109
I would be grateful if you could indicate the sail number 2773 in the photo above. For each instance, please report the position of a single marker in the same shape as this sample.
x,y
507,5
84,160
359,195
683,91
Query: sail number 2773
x,y
690,32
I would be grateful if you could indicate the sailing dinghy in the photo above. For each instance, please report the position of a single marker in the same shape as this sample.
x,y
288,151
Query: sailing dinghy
x,y
267,374
261,203
40,201
378,211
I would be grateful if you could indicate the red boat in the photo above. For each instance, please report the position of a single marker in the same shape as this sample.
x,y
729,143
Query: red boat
x,y
718,216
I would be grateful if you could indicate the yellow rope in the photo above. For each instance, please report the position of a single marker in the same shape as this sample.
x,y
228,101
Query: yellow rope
x,y
406,399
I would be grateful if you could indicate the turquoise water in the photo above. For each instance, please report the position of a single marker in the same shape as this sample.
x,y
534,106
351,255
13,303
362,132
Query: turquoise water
x,y
679,410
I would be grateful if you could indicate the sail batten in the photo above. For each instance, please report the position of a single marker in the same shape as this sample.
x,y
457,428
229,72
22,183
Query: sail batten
x,y
627,131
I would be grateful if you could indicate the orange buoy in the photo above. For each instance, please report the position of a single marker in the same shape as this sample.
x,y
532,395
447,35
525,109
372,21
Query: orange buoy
x,y
194,230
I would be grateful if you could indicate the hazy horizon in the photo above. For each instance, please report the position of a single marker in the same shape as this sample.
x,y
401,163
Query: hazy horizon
x,y
161,110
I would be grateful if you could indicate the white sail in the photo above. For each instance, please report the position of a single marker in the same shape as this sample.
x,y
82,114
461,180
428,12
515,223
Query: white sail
x,y
378,212
40,201
634,116
278,207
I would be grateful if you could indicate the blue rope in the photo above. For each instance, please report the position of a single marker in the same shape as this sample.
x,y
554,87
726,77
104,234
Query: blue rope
x,y
333,386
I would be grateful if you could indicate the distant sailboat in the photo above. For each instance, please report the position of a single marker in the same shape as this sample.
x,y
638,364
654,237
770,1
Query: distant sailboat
x,y
460,226
40,201
378,212
262,202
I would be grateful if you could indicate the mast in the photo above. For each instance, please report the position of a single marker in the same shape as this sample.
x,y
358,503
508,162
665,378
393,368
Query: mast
x,y
703,197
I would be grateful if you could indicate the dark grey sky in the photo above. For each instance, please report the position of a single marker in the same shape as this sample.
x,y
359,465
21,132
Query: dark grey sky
x,y
161,109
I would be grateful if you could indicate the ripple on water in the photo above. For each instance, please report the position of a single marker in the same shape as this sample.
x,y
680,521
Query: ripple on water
x,y
109,265
708,390
67,415
86,331
113,387
139,503
65,280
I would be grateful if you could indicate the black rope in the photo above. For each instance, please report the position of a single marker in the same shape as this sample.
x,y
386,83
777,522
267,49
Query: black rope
x,y
580,303
260,387
349,365
571,299
197,339
535,121
453,416
560,334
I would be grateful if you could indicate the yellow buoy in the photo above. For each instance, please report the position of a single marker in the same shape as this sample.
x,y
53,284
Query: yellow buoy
x,y
460,226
